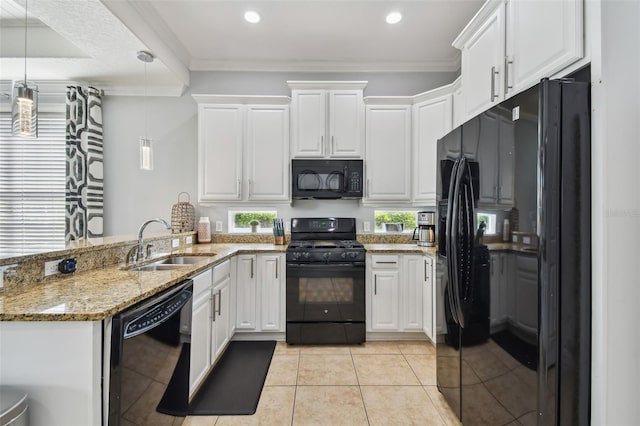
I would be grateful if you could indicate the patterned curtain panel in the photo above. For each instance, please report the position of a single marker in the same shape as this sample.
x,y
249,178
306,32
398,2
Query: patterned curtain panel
x,y
85,186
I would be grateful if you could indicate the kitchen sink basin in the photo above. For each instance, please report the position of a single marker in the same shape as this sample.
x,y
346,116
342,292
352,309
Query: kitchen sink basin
x,y
182,260
170,263
157,267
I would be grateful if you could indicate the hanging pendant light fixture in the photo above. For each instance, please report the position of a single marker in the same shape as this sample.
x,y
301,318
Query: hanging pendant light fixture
x,y
146,148
24,109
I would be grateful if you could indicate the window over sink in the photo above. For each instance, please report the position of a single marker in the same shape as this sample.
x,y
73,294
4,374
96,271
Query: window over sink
x,y
394,221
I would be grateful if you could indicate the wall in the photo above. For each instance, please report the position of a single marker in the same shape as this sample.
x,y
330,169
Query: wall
x,y
132,195
616,213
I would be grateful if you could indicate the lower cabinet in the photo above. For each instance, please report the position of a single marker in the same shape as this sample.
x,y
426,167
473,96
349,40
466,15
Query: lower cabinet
x,y
260,292
400,293
210,320
526,291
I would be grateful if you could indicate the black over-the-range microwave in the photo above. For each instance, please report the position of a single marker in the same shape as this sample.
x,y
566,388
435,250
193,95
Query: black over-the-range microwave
x,y
326,179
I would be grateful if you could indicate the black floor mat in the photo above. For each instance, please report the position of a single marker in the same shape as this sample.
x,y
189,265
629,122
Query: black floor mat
x,y
522,351
235,384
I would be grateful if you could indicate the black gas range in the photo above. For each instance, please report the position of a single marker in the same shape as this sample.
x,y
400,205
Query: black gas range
x,y
325,282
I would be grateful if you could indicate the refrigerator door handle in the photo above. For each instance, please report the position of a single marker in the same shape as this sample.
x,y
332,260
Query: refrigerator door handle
x,y
450,242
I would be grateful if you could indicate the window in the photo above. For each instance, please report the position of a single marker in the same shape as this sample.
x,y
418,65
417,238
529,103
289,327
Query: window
x,y
394,221
242,221
32,187
489,220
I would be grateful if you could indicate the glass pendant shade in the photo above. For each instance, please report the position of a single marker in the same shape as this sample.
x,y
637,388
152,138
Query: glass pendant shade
x,y
146,154
24,110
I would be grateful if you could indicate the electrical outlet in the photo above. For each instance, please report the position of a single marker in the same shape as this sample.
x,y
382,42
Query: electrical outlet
x,y
188,240
51,267
515,113
175,243
367,226
218,226
287,226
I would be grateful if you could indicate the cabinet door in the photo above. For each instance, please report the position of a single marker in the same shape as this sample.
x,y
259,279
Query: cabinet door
x,y
346,123
200,340
388,153
482,62
411,292
268,152
220,152
506,161
543,37
527,293
246,271
428,307
220,335
271,290
384,300
431,121
309,118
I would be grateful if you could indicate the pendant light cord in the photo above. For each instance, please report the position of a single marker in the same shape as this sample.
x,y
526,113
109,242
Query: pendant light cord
x,y
25,43
146,105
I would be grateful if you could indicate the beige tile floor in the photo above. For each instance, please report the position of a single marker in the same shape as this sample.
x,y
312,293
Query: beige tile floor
x,y
378,383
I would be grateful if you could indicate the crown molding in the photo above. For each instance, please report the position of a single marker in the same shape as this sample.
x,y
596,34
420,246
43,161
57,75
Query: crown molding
x,y
476,22
345,85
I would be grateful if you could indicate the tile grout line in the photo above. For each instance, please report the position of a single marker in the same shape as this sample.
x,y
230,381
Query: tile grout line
x,y
295,392
355,370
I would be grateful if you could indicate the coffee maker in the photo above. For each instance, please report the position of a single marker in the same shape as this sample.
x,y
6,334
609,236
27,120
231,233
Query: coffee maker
x,y
426,230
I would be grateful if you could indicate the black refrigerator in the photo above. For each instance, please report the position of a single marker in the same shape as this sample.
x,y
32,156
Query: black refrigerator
x,y
513,317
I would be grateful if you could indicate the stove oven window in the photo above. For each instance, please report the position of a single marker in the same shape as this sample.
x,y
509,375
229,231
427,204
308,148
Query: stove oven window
x,y
325,290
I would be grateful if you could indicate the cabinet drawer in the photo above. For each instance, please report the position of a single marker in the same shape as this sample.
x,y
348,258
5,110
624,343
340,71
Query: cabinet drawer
x,y
201,283
221,271
384,261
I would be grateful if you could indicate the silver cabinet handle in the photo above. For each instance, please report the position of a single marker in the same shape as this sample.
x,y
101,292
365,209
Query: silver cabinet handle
x,y
502,265
333,146
386,262
277,261
219,301
425,270
368,190
213,305
375,284
322,144
239,189
493,83
507,63
252,267
250,187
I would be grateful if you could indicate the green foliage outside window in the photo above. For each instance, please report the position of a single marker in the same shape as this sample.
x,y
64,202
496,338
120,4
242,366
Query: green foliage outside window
x,y
408,218
243,220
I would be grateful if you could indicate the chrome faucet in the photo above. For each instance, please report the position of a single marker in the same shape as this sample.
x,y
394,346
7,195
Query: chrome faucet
x,y
139,248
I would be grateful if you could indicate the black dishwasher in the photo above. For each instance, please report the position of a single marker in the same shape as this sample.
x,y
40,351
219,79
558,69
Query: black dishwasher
x,y
150,357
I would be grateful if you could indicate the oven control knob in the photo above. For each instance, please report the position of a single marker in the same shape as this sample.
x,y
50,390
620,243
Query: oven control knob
x,y
353,254
344,255
326,256
305,254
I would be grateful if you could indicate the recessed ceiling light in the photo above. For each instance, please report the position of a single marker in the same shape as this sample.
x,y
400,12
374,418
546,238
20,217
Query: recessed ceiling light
x,y
252,16
394,17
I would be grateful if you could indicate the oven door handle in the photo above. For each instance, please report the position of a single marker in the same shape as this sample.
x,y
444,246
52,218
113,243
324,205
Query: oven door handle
x,y
323,266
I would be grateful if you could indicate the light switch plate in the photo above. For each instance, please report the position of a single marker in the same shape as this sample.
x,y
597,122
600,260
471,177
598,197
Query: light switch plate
x,y
366,226
218,226
175,243
188,240
515,113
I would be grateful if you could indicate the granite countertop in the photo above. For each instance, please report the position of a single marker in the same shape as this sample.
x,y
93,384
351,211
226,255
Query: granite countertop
x,y
100,293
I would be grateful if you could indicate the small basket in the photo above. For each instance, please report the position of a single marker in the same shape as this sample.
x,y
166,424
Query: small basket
x,y
183,215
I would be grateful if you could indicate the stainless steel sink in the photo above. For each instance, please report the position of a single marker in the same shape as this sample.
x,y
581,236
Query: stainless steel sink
x,y
156,267
170,263
182,260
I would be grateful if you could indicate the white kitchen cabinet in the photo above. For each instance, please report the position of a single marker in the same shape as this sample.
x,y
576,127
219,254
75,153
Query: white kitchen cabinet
x,y
388,153
483,48
221,298
384,300
428,290
267,153
542,38
412,288
233,128
327,119
499,287
432,119
246,291
271,288
526,289
201,329
260,292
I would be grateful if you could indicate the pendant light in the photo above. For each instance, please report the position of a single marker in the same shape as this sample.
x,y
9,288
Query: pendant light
x,y
146,148
24,109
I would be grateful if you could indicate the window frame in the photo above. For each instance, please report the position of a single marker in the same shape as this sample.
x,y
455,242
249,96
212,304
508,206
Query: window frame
x,y
232,229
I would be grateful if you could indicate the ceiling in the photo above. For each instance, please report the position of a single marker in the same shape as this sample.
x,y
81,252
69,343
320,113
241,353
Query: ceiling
x,y
95,41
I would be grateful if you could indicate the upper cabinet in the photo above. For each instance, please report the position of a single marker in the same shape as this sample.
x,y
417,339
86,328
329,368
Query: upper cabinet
x,y
388,150
432,119
243,148
327,119
542,38
511,44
